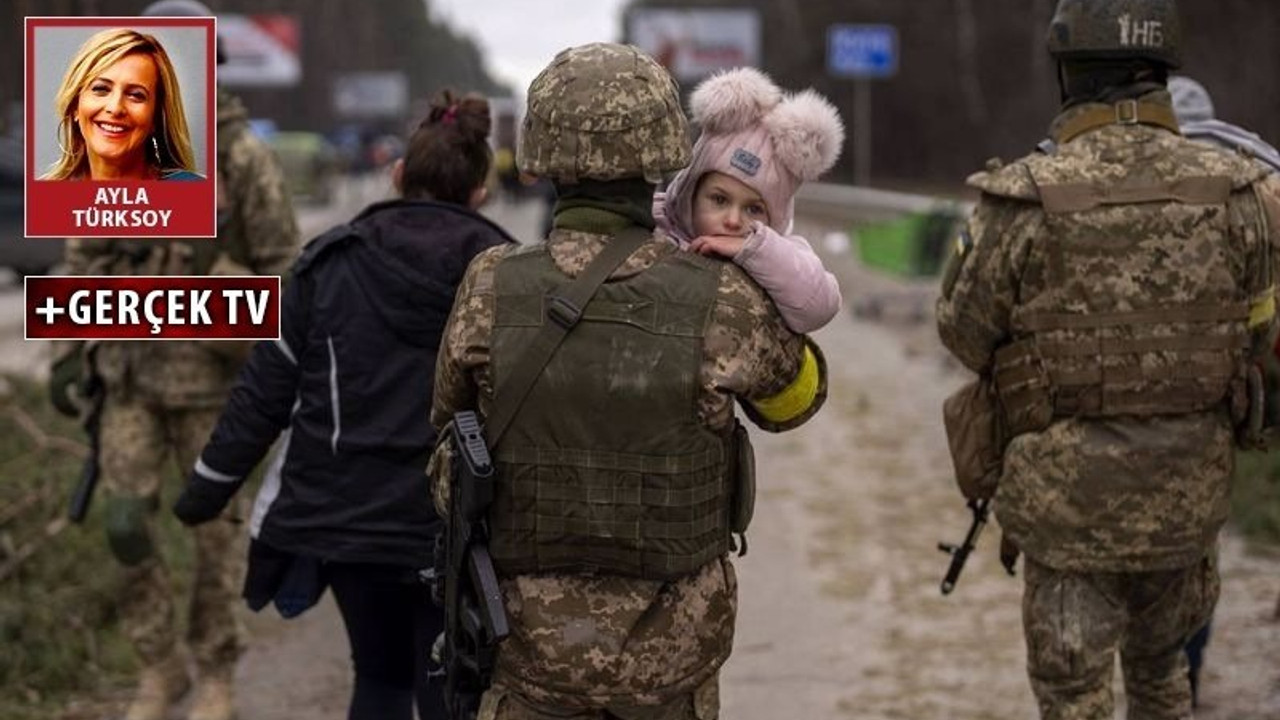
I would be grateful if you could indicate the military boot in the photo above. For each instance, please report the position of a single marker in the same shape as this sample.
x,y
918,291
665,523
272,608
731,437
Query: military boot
x,y
213,698
159,687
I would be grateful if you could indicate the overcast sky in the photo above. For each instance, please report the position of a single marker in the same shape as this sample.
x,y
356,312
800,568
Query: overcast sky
x,y
519,37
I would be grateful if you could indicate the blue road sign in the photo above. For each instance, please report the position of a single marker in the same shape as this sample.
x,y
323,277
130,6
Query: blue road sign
x,y
862,51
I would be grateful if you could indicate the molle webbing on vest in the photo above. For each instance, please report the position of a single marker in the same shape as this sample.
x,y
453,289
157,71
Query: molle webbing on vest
x,y
656,517
1078,197
666,318
1113,365
607,466
1133,304
1042,321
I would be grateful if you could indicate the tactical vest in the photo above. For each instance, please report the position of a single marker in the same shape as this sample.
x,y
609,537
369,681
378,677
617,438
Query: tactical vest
x,y
1143,310
606,466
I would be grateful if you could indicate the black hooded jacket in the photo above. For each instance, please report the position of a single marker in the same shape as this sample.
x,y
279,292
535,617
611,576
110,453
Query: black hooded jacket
x,y
349,384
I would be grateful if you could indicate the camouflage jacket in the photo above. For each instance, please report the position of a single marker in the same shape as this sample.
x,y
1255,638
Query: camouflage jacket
x,y
591,640
1125,492
257,234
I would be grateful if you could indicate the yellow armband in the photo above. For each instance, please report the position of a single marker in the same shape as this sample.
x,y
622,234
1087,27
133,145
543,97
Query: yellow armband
x,y
1263,309
797,398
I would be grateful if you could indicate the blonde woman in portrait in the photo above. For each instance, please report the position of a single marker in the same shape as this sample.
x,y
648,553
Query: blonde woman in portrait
x,y
120,113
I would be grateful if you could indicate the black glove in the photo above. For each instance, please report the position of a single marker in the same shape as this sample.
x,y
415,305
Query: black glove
x,y
67,373
203,500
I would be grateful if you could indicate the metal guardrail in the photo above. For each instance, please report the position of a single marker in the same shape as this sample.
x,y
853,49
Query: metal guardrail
x,y
852,203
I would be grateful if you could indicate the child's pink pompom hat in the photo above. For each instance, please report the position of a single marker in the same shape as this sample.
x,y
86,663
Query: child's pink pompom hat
x,y
752,132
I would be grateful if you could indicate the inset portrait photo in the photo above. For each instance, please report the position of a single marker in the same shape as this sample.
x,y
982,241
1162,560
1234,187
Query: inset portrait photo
x,y
120,121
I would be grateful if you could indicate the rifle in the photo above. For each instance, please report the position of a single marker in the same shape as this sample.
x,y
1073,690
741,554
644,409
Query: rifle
x,y
82,495
960,554
475,619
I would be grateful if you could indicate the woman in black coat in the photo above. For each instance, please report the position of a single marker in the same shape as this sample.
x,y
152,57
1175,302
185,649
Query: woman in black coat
x,y
347,388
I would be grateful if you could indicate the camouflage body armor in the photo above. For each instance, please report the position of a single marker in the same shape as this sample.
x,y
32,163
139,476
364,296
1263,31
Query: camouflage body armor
x,y
1138,307
618,489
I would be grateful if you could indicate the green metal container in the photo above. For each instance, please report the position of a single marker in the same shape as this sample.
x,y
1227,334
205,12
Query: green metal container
x,y
913,245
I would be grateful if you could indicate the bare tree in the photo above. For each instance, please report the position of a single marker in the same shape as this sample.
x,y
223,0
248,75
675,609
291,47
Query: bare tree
x,y
967,61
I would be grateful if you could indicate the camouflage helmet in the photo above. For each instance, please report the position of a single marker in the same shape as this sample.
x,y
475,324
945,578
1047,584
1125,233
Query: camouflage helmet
x,y
603,111
1116,29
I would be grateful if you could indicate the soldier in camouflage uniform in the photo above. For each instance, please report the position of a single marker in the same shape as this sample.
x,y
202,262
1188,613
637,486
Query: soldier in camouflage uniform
x,y
631,614
1115,289
162,401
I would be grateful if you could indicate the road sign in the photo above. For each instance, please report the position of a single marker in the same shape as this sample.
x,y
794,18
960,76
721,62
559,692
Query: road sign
x,y
862,51
261,50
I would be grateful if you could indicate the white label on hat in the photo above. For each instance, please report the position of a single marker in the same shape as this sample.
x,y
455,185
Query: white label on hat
x,y
745,161
1143,33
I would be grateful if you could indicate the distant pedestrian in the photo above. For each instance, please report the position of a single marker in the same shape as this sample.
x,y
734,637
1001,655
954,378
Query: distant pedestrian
x,y
1193,106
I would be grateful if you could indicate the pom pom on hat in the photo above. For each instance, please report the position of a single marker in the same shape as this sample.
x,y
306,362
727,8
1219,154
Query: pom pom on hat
x,y
752,131
807,134
733,100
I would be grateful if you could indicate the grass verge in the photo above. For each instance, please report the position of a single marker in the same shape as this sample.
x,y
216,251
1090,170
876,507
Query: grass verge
x,y
59,636
1255,498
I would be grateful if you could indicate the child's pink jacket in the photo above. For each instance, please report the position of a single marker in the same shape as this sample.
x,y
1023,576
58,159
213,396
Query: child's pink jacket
x,y
786,266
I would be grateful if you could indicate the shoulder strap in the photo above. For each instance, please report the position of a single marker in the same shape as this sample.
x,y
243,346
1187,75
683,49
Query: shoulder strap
x,y
1125,112
564,309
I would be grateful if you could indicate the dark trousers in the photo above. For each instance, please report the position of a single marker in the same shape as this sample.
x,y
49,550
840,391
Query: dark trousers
x,y
391,623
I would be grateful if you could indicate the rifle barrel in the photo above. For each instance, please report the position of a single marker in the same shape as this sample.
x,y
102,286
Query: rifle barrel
x,y
960,554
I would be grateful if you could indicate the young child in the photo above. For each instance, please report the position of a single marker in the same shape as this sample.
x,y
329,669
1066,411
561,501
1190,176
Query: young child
x,y
736,198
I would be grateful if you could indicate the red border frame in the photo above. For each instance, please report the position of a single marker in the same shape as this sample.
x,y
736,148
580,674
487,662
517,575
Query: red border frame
x,y
31,23
180,333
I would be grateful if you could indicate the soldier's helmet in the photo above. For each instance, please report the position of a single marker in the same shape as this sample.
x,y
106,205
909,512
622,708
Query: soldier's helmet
x,y
183,8
1191,102
603,111
1116,29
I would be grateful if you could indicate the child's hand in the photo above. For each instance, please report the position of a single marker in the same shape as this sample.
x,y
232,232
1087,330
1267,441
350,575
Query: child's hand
x,y
726,246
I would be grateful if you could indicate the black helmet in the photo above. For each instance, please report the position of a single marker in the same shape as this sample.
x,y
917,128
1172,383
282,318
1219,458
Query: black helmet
x,y
1116,29
183,8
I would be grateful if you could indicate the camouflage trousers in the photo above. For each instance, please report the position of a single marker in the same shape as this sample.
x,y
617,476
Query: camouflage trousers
x,y
146,448
502,703
1075,623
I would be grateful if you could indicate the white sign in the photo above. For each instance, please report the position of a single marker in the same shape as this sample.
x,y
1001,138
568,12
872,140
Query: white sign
x,y
868,51
374,94
693,44
261,50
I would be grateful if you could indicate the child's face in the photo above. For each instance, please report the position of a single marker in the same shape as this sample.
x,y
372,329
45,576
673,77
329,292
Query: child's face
x,y
723,205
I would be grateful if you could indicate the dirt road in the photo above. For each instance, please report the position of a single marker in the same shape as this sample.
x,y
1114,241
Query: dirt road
x,y
840,610
841,613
